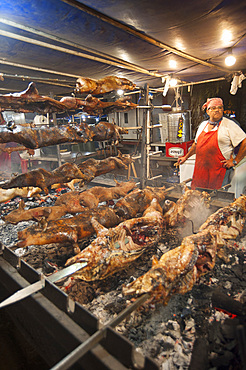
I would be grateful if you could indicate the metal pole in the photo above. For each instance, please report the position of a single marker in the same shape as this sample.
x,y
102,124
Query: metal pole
x,y
148,147
142,36
55,124
82,349
100,59
57,146
143,173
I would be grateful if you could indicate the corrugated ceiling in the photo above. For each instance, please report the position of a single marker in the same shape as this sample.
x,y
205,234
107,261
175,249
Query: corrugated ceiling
x,y
52,42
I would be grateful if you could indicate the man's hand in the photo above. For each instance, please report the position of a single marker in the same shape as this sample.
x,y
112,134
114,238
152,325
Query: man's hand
x,y
228,163
30,151
181,160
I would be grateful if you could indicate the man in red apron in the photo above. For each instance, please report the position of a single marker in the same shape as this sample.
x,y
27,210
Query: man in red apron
x,y
214,143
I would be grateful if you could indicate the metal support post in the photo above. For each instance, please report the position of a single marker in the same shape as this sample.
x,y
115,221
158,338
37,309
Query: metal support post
x,y
143,172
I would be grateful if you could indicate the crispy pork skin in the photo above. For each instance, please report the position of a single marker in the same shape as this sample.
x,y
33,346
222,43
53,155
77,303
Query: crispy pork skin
x,y
44,179
103,85
26,192
71,202
67,172
95,167
92,197
38,137
30,101
80,227
69,230
191,202
178,269
116,248
228,222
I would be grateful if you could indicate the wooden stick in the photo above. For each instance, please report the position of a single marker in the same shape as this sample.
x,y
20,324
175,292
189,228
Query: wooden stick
x,y
134,170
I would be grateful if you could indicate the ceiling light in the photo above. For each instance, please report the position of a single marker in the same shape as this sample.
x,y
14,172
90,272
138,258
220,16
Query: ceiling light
x,y
230,60
226,37
173,82
172,64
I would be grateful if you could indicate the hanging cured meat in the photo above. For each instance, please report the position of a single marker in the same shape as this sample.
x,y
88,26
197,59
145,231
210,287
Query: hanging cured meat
x,y
30,101
116,248
38,137
73,229
103,85
67,172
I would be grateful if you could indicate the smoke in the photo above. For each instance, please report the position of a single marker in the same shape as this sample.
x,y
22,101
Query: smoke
x,y
196,214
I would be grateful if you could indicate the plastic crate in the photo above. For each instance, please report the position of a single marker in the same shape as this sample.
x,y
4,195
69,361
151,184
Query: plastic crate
x,y
178,149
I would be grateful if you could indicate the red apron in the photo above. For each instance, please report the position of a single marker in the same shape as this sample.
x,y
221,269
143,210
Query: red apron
x,y
208,171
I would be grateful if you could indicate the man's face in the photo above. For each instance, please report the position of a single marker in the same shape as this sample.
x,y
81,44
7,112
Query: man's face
x,y
215,113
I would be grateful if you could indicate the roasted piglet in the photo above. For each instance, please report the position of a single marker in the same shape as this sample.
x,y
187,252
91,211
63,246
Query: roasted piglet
x,y
69,230
228,222
107,131
138,200
44,179
92,197
25,192
30,101
178,269
103,85
76,228
67,172
188,205
38,137
28,192
33,214
116,248
96,107
71,202
95,167
16,149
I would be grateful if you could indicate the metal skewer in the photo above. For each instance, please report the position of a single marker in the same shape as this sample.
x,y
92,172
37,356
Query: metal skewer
x,y
35,287
180,184
214,192
84,347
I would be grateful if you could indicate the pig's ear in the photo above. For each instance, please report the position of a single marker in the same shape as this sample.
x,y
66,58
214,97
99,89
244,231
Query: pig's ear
x,y
21,205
